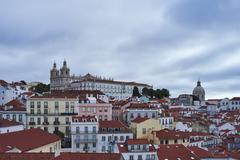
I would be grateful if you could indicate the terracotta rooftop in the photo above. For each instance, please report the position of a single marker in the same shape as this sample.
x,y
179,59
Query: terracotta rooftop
x,y
201,153
8,123
137,141
89,156
140,119
170,134
141,106
26,140
14,102
104,126
26,156
175,152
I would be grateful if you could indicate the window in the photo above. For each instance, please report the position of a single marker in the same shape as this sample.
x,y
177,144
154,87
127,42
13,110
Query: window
x,y
144,147
166,141
77,145
121,138
38,107
77,129
8,116
139,157
131,116
103,148
31,107
72,107
14,117
130,157
152,157
94,145
100,117
175,141
138,147
148,157
86,129
153,115
56,111
109,138
139,115
45,107
161,142
39,121
67,107
67,120
94,129
132,147
103,138
20,118
144,131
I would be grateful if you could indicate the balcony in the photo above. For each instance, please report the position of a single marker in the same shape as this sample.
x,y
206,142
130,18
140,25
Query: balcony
x,y
45,123
84,132
32,123
85,141
68,114
56,123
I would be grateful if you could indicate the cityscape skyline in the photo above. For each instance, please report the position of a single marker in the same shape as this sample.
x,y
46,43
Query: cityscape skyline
x,y
166,44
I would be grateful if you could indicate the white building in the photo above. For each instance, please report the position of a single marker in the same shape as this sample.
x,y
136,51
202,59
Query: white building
x,y
7,126
110,133
84,131
230,104
61,79
9,92
140,110
14,110
137,149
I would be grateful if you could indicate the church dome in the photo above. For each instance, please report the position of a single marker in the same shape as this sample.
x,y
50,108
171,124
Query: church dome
x,y
199,91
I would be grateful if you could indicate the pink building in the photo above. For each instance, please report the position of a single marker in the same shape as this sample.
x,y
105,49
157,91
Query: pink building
x,y
97,107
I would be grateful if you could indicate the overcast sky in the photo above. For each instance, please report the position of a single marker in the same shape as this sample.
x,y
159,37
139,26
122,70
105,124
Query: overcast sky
x,y
166,43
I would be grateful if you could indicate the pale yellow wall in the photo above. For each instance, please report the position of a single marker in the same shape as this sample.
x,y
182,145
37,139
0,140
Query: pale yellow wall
x,y
55,148
150,125
51,113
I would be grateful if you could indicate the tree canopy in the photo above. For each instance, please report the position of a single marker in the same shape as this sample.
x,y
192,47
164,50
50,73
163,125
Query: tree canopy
x,y
158,93
136,92
40,88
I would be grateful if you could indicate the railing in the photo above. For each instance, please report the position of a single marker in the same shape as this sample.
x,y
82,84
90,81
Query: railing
x,y
45,123
56,123
32,123
85,140
66,114
83,132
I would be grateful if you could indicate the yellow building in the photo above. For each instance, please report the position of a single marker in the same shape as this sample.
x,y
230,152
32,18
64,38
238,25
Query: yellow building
x,y
143,127
166,136
51,113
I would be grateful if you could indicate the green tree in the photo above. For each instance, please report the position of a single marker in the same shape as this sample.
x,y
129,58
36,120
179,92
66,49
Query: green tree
x,y
165,92
136,92
40,88
145,91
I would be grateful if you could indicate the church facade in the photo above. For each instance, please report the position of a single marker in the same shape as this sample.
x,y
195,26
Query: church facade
x,y
60,79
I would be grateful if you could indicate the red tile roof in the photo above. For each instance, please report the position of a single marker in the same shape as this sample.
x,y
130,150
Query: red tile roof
x,y
26,156
141,106
89,156
84,118
140,119
3,83
113,124
201,153
8,123
137,141
26,140
170,134
173,152
14,102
